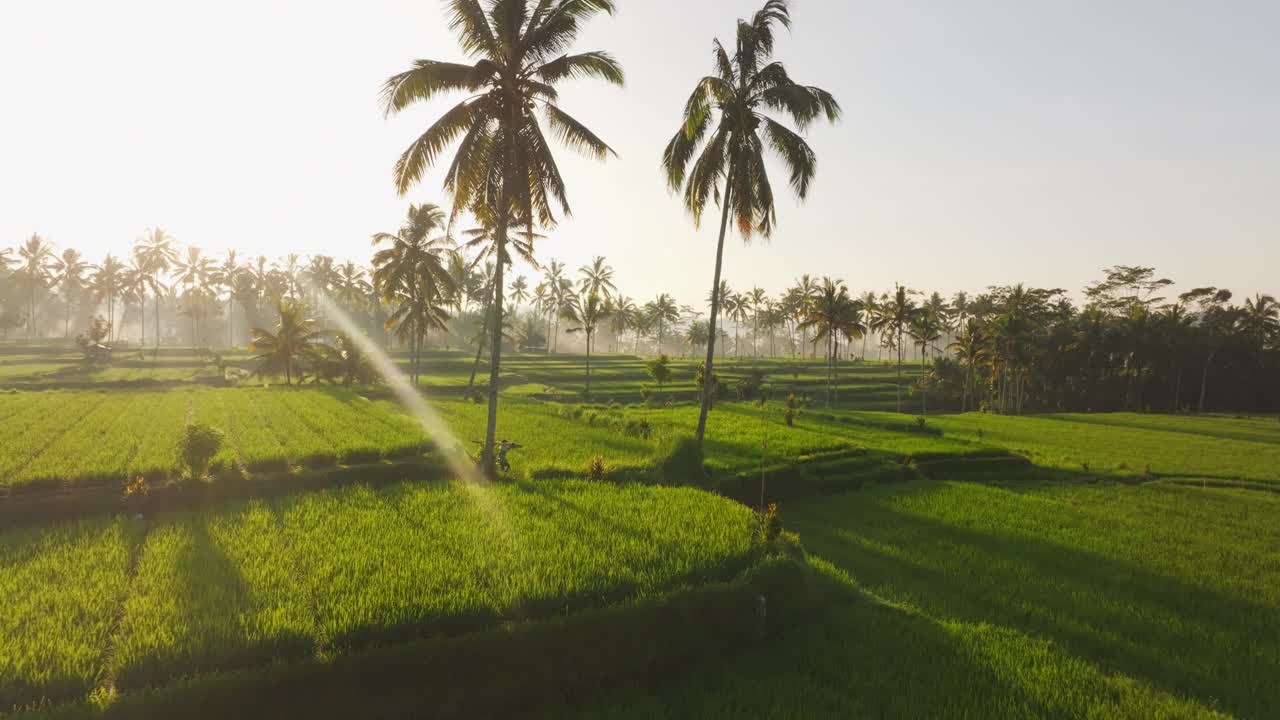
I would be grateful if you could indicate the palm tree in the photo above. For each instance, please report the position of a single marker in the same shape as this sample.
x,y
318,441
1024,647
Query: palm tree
x,y
663,310
226,278
503,161
36,257
597,278
720,294
870,303
1260,318
831,313
519,293
802,293
106,282
970,348
69,274
622,312
757,299
926,328
195,271
585,313
727,116
155,251
296,339
893,318
411,274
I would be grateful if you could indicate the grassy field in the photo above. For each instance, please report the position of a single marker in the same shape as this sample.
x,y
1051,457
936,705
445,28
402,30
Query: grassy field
x,y
621,378
333,571
1053,600
1125,565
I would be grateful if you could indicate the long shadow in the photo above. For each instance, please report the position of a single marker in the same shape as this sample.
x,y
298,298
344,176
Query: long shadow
x,y
210,595
1183,637
861,660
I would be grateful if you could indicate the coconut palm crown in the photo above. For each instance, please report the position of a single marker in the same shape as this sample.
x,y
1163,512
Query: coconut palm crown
x,y
723,137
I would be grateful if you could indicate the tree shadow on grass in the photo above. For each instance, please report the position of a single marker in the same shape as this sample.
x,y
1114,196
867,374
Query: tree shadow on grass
x,y
858,660
1185,638
210,597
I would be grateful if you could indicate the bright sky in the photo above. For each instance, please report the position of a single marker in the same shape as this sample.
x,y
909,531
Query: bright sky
x,y
988,141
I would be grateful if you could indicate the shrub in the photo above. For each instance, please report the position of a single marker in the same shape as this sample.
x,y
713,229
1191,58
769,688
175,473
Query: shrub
x,y
638,428
749,386
197,446
790,409
770,524
595,468
659,369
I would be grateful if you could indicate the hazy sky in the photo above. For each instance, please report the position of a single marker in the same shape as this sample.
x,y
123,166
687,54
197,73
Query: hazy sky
x,y
983,141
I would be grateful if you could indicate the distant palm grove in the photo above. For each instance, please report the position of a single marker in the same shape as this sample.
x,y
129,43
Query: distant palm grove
x,y
1008,349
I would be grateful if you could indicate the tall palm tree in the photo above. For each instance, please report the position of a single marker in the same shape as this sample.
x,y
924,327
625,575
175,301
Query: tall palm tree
x,y
519,293
503,161
971,349
870,303
585,312
411,274
831,313
724,295
664,311
296,339
226,279
802,293
622,312
36,256
69,274
155,251
195,270
757,299
926,328
728,117
893,319
1260,318
107,281
598,278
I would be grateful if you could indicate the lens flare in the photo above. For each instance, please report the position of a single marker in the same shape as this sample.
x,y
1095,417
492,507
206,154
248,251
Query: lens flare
x,y
448,445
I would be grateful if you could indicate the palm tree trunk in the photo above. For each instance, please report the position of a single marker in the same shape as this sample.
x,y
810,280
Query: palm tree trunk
x,y
157,309
1204,382
587,396
495,355
715,309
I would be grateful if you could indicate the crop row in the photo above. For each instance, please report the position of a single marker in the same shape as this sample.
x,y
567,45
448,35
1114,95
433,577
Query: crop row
x,y
85,438
333,571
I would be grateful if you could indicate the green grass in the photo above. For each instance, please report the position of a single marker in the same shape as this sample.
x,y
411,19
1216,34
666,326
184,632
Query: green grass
x,y
963,600
1189,446
336,571
61,587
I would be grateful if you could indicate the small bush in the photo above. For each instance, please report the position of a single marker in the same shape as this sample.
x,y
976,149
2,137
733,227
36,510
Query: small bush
x,y
770,524
790,409
595,468
638,429
196,448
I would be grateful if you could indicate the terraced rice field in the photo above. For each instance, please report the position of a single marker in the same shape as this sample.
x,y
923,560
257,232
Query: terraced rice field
x,y
84,438
332,571
962,600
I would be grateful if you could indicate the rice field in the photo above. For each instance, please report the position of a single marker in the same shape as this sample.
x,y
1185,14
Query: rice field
x,y
965,600
328,572
55,438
